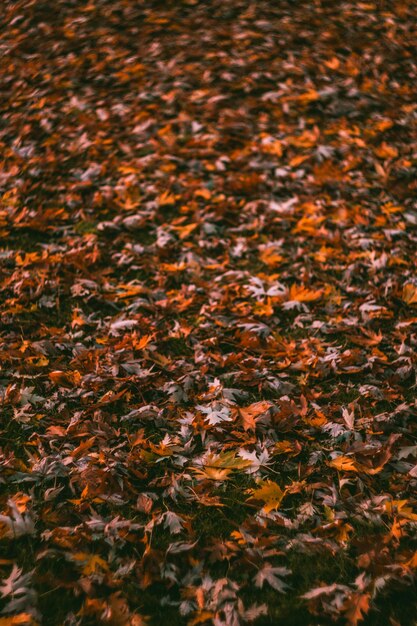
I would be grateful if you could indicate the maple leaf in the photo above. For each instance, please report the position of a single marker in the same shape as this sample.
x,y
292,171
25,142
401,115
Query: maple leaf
x,y
215,414
349,417
325,590
273,576
385,151
356,607
176,295
173,522
409,294
406,451
290,448
300,293
219,466
92,563
27,396
270,256
166,199
19,586
15,581
254,459
212,473
258,289
270,493
251,412
263,309
185,231
400,508
16,523
344,464
272,146
225,459
253,612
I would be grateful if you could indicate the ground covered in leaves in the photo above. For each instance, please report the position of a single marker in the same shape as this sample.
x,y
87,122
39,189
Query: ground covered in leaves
x,y
208,312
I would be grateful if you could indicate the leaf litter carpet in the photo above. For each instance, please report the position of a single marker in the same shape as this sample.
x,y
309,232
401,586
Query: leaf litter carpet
x,y
208,312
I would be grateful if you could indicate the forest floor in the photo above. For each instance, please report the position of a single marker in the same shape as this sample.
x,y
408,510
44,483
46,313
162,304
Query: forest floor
x,y
208,313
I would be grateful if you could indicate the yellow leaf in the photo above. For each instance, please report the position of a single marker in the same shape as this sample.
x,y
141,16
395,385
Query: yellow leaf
x,y
270,493
343,464
211,473
92,562
399,508
291,448
263,309
226,460
37,361
219,466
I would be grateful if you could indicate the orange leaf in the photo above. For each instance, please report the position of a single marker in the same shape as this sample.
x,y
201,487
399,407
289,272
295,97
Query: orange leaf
x,y
410,294
413,561
67,379
332,63
91,562
384,151
358,607
143,341
302,294
203,193
291,448
21,618
166,198
273,147
343,464
185,231
270,257
263,308
251,412
83,447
